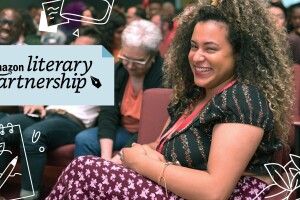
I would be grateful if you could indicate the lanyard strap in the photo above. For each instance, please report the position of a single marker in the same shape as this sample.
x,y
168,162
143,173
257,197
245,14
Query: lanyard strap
x,y
183,121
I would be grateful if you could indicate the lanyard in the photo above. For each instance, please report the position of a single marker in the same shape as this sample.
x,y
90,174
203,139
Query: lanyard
x,y
184,121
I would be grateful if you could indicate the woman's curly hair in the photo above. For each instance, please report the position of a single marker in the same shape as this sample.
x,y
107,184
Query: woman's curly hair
x,y
262,57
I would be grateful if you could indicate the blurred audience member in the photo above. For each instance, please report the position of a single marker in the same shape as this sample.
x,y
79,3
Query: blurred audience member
x,y
35,13
11,27
88,13
294,36
119,5
140,69
58,38
112,31
168,8
166,25
278,11
29,35
154,7
89,35
135,13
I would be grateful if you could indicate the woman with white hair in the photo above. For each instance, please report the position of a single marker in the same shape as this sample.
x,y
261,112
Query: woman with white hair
x,y
140,68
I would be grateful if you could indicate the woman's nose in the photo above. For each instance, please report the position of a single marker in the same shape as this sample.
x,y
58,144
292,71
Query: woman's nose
x,y
130,65
198,56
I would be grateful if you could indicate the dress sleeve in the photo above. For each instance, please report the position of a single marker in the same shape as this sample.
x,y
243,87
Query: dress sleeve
x,y
243,104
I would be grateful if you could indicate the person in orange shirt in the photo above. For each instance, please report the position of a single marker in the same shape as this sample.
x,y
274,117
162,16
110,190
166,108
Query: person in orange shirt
x,y
168,29
140,68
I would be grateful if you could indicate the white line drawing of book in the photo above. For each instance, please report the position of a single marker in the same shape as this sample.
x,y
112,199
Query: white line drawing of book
x,y
55,10
100,21
9,172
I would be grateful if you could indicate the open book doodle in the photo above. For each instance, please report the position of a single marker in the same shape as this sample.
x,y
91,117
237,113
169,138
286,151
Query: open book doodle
x,y
7,158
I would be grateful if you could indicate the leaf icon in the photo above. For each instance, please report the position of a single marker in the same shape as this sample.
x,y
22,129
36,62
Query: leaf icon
x,y
296,160
280,182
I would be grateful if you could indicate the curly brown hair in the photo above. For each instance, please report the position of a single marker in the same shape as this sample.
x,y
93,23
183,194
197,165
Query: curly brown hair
x,y
262,58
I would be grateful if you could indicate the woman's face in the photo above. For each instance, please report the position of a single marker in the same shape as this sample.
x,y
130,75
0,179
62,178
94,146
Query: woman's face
x,y
131,55
211,56
295,18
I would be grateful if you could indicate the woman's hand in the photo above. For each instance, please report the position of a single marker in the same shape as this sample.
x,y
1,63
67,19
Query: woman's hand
x,y
32,109
135,154
153,153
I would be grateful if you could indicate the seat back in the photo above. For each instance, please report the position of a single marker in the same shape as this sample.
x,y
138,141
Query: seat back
x,y
297,89
153,114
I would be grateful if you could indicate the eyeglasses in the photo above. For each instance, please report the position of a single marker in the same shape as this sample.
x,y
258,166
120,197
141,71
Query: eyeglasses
x,y
136,63
8,22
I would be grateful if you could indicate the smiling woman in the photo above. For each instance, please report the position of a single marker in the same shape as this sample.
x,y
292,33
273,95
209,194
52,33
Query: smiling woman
x,y
211,56
230,112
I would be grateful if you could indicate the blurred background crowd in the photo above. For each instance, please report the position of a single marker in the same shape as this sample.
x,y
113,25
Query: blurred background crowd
x,y
24,26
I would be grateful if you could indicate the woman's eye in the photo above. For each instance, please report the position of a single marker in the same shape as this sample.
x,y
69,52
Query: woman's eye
x,y
210,49
193,47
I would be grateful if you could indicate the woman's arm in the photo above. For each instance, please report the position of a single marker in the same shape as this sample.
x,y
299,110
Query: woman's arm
x,y
149,148
232,147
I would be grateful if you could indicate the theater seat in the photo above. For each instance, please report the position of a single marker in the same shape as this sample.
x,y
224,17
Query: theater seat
x,y
154,114
61,156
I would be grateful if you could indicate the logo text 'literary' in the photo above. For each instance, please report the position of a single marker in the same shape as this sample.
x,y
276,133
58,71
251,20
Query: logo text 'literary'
x,y
48,73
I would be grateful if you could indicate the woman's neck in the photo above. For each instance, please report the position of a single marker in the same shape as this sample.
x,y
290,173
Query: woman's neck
x,y
209,93
137,84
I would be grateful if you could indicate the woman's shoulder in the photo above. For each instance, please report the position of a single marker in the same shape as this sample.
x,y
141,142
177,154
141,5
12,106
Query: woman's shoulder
x,y
248,91
243,103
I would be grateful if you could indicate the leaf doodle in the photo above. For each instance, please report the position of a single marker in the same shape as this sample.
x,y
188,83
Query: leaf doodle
x,y
289,184
280,179
295,159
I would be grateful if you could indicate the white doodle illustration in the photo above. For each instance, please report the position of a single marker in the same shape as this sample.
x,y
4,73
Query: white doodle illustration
x,y
2,149
289,184
5,155
35,137
55,12
8,171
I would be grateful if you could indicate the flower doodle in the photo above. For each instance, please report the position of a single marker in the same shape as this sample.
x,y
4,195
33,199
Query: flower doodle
x,y
289,184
